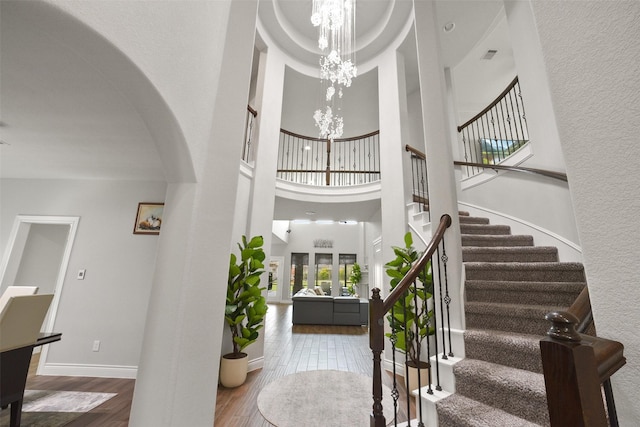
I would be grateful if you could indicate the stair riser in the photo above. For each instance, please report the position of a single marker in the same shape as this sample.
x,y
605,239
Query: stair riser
x,y
524,403
494,241
506,256
522,274
481,229
505,296
505,354
473,220
533,324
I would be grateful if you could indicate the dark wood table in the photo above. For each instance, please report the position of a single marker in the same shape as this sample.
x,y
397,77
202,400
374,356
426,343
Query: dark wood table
x,y
14,367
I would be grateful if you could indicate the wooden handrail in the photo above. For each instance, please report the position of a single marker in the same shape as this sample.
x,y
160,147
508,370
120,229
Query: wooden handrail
x,y
551,174
252,111
378,308
490,106
354,138
418,267
581,308
543,172
415,151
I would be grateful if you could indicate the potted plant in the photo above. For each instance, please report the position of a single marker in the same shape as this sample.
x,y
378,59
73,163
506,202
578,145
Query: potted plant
x,y
410,321
355,277
245,308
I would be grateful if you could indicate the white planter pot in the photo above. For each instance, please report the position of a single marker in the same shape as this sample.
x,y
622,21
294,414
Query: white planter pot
x,y
412,376
233,372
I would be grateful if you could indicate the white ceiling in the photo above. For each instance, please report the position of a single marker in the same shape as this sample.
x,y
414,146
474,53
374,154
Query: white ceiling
x,y
60,118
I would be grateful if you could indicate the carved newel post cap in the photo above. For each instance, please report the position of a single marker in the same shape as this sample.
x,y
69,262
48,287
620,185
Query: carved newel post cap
x,y
563,326
375,293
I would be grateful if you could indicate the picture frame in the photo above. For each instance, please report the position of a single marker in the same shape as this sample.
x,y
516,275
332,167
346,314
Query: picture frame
x,y
148,218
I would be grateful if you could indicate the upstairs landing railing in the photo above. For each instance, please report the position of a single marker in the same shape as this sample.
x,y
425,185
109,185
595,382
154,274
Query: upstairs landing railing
x,y
496,132
322,162
419,182
406,290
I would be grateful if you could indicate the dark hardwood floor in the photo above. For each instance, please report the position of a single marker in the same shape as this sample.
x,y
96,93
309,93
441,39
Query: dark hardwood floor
x,y
288,349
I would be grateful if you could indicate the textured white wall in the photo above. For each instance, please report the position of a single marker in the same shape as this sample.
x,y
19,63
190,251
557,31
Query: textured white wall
x,y
591,52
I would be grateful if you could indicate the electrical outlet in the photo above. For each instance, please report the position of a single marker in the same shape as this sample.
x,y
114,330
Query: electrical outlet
x,y
81,274
96,345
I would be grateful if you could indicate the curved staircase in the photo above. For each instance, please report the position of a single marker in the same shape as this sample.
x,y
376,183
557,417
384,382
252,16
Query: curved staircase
x,y
510,286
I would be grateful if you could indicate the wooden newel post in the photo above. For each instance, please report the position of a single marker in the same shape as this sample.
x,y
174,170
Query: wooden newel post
x,y
571,375
376,343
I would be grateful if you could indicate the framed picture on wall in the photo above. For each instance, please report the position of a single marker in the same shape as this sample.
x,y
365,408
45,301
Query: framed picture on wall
x,y
148,218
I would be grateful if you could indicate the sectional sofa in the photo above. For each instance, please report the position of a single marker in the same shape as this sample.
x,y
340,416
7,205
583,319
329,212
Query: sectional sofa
x,y
327,310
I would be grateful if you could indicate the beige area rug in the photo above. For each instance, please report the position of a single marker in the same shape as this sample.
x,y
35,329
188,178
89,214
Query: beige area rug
x,y
326,398
54,408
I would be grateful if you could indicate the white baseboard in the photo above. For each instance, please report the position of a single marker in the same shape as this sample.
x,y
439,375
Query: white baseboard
x,y
256,364
101,371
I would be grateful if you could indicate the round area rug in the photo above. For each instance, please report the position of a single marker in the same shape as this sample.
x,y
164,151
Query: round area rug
x,y
326,398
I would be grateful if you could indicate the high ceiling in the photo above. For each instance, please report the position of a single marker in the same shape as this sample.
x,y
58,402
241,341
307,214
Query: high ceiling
x,y
60,118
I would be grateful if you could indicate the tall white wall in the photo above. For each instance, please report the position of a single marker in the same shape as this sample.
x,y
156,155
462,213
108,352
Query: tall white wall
x,y
347,239
110,304
591,55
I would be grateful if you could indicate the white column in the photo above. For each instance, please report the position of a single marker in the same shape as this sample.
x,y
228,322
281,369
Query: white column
x,y
178,372
440,172
394,190
269,92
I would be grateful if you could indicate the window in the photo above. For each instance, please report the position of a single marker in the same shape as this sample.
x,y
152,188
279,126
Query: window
x,y
299,272
324,265
346,262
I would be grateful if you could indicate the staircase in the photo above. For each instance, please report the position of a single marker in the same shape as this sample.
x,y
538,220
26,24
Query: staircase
x,y
510,286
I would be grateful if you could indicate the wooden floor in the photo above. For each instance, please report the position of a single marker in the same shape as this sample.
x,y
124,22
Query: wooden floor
x,y
113,413
288,349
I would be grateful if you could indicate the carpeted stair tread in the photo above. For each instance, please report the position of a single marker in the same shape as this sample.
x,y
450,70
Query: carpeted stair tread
x,y
510,254
485,229
496,240
514,292
515,391
521,351
520,318
525,271
460,411
465,219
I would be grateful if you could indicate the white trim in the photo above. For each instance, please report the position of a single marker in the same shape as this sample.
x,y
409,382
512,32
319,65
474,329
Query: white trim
x,y
72,222
310,193
388,366
255,364
100,371
246,169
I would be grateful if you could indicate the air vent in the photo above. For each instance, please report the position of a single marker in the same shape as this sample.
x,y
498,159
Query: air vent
x,y
490,54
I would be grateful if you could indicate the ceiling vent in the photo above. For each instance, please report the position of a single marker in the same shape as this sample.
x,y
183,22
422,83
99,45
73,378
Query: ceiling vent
x,y
490,54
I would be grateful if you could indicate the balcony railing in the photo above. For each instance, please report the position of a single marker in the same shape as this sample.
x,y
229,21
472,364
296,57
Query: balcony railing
x,y
321,162
497,131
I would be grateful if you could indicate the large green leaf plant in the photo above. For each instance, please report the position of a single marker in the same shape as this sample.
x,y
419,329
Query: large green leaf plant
x,y
246,307
411,319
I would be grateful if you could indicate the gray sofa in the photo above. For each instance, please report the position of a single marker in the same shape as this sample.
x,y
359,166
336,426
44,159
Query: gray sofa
x,y
328,310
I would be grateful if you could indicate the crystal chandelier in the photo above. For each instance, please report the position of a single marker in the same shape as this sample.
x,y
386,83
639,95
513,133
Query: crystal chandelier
x,y
335,20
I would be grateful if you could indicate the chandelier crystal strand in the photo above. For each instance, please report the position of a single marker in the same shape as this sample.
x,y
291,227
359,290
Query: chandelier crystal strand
x,y
335,20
